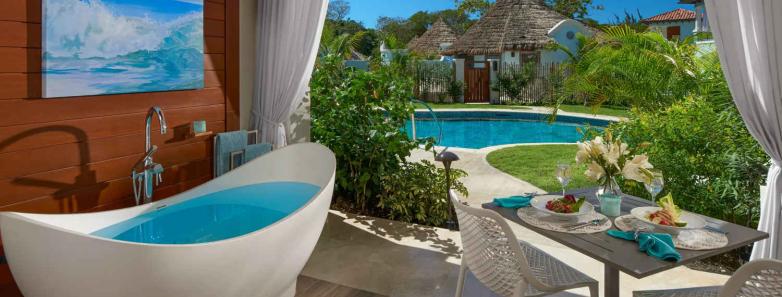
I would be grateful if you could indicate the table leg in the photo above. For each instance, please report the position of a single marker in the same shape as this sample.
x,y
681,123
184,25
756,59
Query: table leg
x,y
610,281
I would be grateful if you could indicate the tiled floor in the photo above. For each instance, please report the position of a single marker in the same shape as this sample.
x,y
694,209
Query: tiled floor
x,y
310,287
402,260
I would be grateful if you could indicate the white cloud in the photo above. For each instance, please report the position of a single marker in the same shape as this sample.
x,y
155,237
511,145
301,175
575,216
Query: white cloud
x,y
196,2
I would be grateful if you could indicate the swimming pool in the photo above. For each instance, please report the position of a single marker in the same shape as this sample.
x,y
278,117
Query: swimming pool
x,y
480,129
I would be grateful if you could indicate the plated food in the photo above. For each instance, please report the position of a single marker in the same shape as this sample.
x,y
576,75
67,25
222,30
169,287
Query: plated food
x,y
567,204
562,207
668,217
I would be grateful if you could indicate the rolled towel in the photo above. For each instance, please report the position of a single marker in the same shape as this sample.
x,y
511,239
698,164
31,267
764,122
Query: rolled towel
x,y
513,201
658,245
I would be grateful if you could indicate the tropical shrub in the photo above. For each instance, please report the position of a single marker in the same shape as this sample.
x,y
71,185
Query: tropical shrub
x,y
512,80
359,115
417,193
711,163
455,89
623,67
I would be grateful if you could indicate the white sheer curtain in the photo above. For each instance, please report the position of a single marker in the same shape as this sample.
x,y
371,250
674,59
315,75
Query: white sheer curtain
x,y
748,35
288,34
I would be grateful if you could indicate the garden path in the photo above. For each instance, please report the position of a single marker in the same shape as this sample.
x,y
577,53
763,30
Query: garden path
x,y
483,182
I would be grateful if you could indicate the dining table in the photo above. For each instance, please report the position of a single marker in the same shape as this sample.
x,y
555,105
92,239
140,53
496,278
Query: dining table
x,y
619,255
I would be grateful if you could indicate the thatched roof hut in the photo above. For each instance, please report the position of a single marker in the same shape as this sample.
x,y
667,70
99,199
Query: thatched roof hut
x,y
429,43
510,25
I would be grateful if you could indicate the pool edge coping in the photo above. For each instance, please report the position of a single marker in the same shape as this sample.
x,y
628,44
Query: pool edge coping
x,y
532,109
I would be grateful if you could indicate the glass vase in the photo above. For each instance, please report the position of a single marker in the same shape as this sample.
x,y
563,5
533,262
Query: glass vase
x,y
610,196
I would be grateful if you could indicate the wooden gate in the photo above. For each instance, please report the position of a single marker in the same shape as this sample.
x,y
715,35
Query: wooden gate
x,y
476,81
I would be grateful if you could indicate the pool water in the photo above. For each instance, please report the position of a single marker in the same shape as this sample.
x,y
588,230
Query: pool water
x,y
477,130
216,216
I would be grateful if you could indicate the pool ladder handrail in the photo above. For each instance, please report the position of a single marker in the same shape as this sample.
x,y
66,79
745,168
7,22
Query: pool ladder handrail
x,y
435,119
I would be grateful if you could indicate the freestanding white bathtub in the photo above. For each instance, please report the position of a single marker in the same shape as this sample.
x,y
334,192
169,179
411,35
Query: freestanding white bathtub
x,y
76,256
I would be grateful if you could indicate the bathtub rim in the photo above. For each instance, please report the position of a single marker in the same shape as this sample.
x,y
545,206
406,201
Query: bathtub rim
x,y
150,207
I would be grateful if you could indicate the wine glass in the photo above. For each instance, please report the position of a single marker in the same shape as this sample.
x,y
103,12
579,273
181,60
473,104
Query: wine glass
x,y
564,174
655,184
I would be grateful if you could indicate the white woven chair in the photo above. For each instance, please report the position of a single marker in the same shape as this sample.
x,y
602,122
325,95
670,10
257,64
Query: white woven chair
x,y
760,278
509,267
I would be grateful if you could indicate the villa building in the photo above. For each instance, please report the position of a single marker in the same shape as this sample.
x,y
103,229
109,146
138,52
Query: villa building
x,y
512,32
438,38
676,24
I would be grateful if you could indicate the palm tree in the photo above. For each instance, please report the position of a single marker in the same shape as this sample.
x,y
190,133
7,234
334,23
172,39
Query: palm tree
x,y
624,67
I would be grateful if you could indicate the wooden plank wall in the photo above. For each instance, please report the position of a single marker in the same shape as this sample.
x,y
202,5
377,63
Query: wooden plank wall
x,y
75,154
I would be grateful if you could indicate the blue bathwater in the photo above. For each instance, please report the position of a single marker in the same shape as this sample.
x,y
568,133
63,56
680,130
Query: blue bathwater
x,y
478,129
217,216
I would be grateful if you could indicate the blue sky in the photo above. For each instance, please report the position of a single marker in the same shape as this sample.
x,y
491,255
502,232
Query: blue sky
x,y
157,9
367,11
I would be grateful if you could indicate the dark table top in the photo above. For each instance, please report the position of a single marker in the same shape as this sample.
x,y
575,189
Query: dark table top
x,y
624,255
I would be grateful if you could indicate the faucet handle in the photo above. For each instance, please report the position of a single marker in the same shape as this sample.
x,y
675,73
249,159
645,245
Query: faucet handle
x,y
157,171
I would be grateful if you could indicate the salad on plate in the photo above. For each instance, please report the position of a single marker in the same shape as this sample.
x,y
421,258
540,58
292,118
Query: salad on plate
x,y
669,215
567,204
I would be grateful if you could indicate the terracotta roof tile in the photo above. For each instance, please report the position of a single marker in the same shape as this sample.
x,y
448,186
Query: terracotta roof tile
x,y
679,14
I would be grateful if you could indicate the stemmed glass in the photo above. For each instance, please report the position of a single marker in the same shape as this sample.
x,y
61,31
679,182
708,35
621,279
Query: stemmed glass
x,y
655,184
564,174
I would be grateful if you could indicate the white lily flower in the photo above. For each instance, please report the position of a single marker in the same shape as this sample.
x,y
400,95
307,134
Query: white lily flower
x,y
634,168
583,153
613,154
594,171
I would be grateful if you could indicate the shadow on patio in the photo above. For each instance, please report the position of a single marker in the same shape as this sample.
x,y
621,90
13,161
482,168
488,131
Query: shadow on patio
x,y
391,258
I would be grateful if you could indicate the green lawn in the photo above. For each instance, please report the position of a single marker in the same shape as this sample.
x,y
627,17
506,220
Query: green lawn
x,y
603,110
537,164
465,105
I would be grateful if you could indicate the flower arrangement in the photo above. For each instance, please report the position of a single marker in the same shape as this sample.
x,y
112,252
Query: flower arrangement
x,y
608,158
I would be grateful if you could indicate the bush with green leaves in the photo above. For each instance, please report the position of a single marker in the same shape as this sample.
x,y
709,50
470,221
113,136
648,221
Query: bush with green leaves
x,y
455,89
623,67
417,193
512,80
711,163
359,115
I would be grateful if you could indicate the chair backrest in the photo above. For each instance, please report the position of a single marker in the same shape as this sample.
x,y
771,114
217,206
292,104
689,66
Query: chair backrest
x,y
491,250
761,278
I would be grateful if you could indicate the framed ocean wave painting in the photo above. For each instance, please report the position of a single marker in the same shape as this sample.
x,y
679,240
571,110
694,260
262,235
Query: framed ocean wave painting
x,y
101,47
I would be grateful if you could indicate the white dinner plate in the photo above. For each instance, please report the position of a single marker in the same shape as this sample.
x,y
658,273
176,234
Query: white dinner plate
x,y
693,221
539,203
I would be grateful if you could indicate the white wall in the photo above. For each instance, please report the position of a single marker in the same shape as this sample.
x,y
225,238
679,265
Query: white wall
x,y
299,126
686,28
459,72
560,34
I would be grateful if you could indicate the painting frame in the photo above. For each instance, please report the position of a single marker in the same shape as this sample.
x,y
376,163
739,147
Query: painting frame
x,y
109,47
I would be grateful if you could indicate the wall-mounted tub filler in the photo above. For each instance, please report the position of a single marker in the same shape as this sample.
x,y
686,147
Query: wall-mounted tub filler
x,y
146,170
246,233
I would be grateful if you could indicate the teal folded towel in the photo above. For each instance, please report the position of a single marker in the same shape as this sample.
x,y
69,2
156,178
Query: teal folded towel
x,y
256,150
513,201
225,144
658,245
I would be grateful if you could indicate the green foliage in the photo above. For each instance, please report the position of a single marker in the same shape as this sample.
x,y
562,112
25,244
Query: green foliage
x,y
513,80
359,115
473,7
338,10
575,9
626,68
417,193
455,89
712,165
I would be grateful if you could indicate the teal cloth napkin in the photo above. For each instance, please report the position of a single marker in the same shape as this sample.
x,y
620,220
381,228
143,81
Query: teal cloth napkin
x,y
513,201
658,245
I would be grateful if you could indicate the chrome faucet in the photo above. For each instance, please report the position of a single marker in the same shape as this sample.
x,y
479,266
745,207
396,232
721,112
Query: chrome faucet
x,y
146,170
